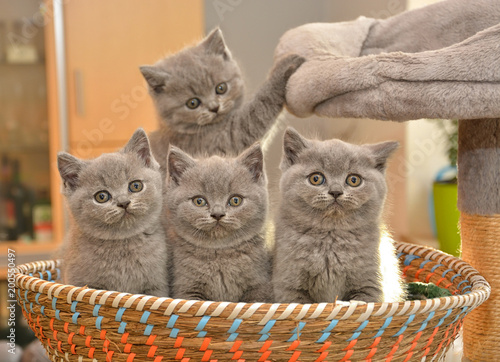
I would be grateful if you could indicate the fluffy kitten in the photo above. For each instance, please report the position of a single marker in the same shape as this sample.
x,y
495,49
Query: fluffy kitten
x,y
328,225
217,210
198,94
115,240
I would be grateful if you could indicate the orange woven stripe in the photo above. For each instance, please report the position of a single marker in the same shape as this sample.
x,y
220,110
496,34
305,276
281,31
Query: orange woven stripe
x,y
428,277
265,346
82,330
178,342
352,344
264,356
103,334
109,356
322,357
376,342
205,344
372,353
91,352
65,328
325,347
293,346
448,286
55,335
417,337
408,357
347,355
131,357
124,338
186,359
128,348
87,341
105,346
427,350
152,351
151,340
48,342
418,273
158,359
295,356
180,353
70,338
237,355
73,348
235,346
59,344
439,281
406,269
206,356
51,324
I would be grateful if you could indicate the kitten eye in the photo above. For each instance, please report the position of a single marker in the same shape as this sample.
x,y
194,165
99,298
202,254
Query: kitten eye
x,y
221,88
158,89
353,180
317,179
135,186
102,197
193,103
199,201
235,200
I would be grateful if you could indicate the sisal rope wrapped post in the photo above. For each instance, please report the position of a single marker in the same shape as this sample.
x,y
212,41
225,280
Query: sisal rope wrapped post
x,y
479,204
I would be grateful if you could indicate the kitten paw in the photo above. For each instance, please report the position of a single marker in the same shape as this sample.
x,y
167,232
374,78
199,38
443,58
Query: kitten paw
x,y
285,67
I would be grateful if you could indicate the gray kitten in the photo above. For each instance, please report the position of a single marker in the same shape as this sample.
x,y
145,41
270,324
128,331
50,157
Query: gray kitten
x,y
198,94
328,225
115,240
217,209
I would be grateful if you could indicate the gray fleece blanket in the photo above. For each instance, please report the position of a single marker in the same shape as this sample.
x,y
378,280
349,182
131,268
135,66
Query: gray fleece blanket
x,y
440,61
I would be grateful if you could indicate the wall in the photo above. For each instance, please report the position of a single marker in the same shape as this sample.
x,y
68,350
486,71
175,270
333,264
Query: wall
x,y
252,30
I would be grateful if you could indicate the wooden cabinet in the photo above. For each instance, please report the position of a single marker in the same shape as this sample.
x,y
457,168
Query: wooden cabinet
x,y
105,42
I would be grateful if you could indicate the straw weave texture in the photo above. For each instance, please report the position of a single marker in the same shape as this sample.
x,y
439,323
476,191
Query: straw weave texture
x,y
78,324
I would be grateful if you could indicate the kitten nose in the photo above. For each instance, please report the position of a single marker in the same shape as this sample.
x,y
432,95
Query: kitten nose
x,y
218,215
336,194
214,108
123,203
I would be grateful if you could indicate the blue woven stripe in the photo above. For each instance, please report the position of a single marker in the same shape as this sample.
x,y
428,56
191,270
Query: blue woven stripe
x,y
424,323
203,322
173,333
446,316
31,307
399,255
362,326
201,334
36,298
296,332
234,327
148,329
446,272
54,301
410,258
465,288
171,322
384,326
73,306
354,336
458,315
268,326
453,277
332,325
435,267
58,274
462,282
422,264
74,319
401,331
40,275
57,314
232,337
43,311
49,275
119,314
121,328
98,322
145,316
263,338
95,312
323,337
26,294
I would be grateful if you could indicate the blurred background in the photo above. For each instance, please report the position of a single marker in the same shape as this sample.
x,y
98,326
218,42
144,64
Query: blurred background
x,y
69,80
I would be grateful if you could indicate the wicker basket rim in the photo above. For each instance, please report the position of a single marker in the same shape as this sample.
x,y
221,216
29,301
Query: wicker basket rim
x,y
263,312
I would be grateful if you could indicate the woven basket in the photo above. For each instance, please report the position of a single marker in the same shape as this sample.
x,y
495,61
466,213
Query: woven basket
x,y
78,324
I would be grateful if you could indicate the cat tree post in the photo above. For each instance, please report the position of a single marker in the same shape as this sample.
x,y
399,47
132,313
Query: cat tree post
x,y
479,205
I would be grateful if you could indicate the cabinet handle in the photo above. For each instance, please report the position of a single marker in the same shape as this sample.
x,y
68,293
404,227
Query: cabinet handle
x,y
80,100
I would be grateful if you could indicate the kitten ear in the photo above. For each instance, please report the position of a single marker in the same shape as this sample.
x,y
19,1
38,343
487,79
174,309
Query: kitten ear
x,y
253,160
69,168
139,145
177,163
214,44
293,145
154,76
381,152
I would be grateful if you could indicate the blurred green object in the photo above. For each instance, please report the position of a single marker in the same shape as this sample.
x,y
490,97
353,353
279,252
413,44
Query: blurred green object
x,y
447,216
421,291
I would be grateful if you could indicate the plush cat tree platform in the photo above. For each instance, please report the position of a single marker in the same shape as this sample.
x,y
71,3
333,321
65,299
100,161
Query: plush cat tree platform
x,y
440,61
79,324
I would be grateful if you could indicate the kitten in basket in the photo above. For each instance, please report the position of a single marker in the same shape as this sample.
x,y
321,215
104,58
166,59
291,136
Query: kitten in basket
x,y
216,213
328,233
199,97
115,240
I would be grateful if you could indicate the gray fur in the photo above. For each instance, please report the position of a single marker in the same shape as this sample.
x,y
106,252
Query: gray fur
x,y
107,248
223,260
326,249
222,123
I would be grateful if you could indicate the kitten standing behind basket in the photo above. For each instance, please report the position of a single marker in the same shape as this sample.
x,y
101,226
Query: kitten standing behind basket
x,y
328,225
198,94
115,240
217,209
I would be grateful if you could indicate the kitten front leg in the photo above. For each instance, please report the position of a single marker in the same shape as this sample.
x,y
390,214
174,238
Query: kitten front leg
x,y
256,117
366,294
291,295
259,294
